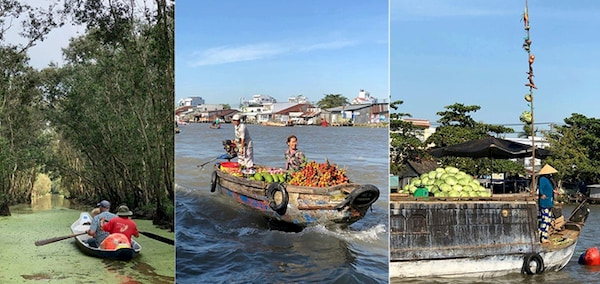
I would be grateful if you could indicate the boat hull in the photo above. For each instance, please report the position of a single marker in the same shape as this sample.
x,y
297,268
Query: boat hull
x,y
83,224
305,205
476,238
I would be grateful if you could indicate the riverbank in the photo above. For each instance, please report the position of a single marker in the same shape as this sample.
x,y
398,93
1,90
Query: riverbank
x,y
62,262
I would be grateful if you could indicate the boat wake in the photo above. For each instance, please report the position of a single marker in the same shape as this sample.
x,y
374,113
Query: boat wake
x,y
372,234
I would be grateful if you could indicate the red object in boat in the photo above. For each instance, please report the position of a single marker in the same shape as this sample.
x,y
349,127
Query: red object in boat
x,y
230,164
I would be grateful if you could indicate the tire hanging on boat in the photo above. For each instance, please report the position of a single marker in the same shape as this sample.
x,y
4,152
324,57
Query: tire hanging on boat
x,y
272,189
529,259
214,179
360,198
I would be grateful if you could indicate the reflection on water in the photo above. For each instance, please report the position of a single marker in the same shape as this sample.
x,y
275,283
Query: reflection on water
x,y
41,203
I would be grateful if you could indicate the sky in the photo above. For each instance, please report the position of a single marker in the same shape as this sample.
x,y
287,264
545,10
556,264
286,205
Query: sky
x,y
50,49
228,50
470,51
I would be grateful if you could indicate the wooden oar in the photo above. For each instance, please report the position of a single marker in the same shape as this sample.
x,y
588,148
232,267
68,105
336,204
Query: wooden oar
x,y
158,238
52,240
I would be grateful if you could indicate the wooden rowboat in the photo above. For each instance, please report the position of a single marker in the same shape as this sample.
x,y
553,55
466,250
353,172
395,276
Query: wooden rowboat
x,y
83,224
476,237
299,205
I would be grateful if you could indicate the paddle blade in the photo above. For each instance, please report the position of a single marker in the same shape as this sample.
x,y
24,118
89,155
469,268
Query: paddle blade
x,y
53,240
158,238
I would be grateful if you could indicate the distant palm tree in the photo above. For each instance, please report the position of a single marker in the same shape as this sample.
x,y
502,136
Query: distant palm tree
x,y
332,100
526,131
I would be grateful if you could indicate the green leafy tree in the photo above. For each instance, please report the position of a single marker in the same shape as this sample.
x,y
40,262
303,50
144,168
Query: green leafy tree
x,y
111,104
404,142
575,148
23,140
332,100
457,126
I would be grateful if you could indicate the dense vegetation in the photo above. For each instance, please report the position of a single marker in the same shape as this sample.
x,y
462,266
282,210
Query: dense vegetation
x,y
100,125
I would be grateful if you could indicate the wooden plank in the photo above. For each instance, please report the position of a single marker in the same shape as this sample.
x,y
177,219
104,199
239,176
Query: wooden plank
x,y
316,207
495,197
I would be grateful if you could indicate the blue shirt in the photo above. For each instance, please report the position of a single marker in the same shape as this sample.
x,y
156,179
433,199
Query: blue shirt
x,y
547,190
100,234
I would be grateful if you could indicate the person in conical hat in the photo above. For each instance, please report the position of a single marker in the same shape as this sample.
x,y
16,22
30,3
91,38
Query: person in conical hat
x,y
547,170
546,200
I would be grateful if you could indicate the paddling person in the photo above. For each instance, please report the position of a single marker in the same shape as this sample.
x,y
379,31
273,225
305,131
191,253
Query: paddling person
x,y
98,235
244,143
294,159
95,212
546,200
119,226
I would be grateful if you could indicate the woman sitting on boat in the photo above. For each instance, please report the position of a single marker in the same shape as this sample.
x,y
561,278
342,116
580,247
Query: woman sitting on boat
x,y
294,159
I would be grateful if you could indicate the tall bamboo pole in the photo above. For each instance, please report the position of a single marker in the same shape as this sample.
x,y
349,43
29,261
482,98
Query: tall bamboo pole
x,y
531,85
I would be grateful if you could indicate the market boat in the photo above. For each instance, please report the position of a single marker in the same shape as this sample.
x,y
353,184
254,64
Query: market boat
x,y
476,237
300,205
83,224
484,235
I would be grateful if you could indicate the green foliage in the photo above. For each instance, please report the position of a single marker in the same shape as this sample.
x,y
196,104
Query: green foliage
x,y
111,105
457,126
23,142
404,142
575,149
332,100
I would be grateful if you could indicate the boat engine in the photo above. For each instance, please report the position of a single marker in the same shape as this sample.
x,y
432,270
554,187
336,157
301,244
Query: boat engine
x,y
230,148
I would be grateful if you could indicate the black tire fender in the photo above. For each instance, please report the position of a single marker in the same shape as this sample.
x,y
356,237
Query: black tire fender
x,y
533,257
214,179
360,198
273,188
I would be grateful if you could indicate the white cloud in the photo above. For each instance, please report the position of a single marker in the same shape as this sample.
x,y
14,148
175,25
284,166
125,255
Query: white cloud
x,y
225,54
328,45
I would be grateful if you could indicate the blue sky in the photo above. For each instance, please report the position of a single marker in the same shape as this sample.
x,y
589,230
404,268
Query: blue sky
x,y
469,51
226,50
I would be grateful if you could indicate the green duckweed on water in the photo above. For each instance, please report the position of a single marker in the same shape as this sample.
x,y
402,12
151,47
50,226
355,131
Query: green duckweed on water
x,y
62,262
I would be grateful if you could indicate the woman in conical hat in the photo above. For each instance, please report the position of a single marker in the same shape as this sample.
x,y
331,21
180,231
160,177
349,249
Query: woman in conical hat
x,y
546,199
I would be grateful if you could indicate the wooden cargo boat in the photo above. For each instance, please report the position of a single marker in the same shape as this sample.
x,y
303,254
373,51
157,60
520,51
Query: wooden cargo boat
x,y
299,205
83,224
476,237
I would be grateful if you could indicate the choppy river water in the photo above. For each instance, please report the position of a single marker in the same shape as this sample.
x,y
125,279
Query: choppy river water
x,y
220,241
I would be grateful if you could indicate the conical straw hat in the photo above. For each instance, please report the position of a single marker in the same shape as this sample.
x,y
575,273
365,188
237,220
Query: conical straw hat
x,y
547,169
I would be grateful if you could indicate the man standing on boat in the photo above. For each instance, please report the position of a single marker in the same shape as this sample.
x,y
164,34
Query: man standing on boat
x,y
244,143
546,200
98,235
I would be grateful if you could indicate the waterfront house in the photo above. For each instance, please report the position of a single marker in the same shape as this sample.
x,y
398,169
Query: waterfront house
x,y
359,114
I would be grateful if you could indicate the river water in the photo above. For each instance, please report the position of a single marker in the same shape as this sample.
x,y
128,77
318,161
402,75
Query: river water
x,y
221,241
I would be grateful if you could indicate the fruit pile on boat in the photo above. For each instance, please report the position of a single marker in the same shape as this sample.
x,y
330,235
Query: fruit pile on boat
x,y
447,182
313,174
319,175
269,175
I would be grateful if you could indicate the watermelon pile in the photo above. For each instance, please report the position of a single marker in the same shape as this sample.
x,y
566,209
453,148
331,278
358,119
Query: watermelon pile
x,y
447,182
